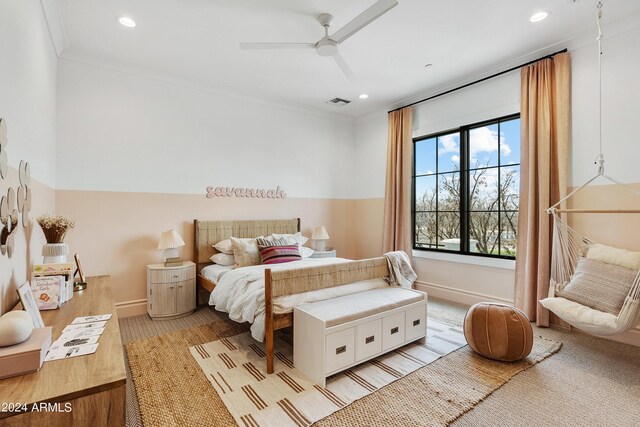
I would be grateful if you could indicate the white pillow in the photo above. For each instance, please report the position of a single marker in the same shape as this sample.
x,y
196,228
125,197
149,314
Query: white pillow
x,y
298,237
245,252
577,314
615,256
223,259
305,252
224,246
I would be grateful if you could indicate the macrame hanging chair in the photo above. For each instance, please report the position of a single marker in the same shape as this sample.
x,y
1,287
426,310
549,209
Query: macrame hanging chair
x,y
568,246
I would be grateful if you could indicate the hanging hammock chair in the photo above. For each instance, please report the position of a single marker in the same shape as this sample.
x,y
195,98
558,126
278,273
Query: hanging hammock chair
x,y
569,246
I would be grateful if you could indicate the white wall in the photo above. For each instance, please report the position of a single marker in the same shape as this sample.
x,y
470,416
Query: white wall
x,y
28,102
123,132
620,108
28,87
498,97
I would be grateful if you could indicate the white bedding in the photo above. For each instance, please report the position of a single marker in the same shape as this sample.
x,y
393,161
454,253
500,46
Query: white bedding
x,y
240,292
214,272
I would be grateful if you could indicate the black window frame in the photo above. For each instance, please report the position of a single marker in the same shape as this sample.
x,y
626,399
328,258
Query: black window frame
x,y
465,169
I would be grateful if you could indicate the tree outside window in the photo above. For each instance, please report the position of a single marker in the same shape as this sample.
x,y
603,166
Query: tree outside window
x,y
466,186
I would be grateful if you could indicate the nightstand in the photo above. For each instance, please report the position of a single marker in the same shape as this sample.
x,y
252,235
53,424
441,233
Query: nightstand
x,y
331,253
171,291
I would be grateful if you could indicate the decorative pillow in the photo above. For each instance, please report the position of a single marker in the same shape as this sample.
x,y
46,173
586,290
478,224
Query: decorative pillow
x,y
224,246
279,254
615,256
264,242
599,285
298,237
245,252
223,259
305,252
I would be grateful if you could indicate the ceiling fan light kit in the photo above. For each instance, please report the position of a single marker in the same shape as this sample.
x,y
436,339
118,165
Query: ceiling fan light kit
x,y
328,45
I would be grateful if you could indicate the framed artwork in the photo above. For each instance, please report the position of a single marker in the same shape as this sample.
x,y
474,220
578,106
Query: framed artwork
x,y
29,304
80,272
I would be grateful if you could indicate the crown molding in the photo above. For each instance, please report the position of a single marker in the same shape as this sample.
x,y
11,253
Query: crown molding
x,y
55,25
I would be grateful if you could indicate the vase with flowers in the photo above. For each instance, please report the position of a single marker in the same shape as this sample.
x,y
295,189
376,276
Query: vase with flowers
x,y
54,229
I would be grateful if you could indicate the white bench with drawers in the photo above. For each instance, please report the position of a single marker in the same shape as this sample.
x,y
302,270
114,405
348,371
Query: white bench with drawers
x,y
333,335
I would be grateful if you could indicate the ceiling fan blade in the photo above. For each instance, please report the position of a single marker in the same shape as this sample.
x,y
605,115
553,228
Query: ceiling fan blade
x,y
277,45
344,67
365,18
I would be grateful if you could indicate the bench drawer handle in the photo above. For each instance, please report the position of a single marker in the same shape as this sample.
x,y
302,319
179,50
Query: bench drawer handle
x,y
416,322
341,349
394,330
369,340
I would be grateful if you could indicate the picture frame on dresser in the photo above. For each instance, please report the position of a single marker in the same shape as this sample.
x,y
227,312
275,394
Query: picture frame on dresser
x,y
79,268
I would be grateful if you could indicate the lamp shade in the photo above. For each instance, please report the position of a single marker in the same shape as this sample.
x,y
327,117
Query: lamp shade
x,y
170,239
320,233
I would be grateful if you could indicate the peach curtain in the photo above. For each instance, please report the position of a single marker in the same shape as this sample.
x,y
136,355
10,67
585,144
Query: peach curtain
x,y
397,197
545,89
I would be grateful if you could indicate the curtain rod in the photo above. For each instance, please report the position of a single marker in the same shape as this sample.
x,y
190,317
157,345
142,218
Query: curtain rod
x,y
478,81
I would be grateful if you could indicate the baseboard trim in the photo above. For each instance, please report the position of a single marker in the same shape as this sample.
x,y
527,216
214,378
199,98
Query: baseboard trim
x,y
131,308
457,295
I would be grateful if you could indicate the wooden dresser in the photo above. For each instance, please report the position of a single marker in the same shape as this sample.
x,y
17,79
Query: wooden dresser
x,y
92,386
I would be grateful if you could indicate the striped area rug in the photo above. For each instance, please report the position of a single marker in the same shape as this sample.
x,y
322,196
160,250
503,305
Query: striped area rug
x,y
236,369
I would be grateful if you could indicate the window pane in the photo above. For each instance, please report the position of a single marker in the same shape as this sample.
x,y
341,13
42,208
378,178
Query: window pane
x,y
449,192
449,231
509,232
510,142
426,193
426,230
509,188
483,146
483,189
425,156
449,153
483,231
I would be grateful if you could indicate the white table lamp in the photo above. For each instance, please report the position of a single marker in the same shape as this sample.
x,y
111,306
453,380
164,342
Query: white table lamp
x,y
170,241
320,237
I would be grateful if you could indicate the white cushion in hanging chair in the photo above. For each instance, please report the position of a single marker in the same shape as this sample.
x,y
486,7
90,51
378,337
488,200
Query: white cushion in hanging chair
x,y
577,314
615,256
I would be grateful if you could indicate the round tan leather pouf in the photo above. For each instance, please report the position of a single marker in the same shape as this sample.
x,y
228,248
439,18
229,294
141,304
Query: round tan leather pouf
x,y
498,331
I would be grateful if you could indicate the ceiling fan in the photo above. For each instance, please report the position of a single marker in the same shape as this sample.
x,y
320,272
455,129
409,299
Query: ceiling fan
x,y
328,45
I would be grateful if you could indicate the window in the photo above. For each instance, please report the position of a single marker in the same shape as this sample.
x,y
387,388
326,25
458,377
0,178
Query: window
x,y
466,189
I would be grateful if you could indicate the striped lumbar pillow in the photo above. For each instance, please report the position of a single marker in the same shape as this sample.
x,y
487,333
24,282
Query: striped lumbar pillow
x,y
270,241
279,254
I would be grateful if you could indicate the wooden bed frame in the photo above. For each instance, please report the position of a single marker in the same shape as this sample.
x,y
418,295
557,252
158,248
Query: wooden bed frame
x,y
279,283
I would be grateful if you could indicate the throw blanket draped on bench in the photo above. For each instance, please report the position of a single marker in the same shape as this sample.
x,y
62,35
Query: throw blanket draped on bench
x,y
400,271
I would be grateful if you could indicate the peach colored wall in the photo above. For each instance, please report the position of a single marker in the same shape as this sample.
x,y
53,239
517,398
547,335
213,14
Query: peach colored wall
x,y
117,233
16,270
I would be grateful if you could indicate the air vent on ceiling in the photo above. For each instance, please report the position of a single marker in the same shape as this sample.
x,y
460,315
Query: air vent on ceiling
x,y
338,101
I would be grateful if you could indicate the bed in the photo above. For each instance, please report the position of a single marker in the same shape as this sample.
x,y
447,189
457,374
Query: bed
x,y
283,285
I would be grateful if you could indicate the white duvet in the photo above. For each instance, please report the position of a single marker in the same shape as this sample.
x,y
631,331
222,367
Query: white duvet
x,y
240,292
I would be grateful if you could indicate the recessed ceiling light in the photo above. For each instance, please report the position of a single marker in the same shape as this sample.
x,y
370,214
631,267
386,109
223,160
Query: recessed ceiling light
x,y
127,22
539,16
428,65
363,96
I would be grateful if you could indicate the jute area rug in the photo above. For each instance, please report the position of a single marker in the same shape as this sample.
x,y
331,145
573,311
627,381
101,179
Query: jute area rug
x,y
172,389
236,369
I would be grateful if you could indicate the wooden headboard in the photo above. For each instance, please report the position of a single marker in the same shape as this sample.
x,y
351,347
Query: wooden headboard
x,y
208,233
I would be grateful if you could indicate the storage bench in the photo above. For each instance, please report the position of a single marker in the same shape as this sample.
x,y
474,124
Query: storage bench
x,y
333,335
